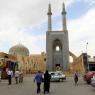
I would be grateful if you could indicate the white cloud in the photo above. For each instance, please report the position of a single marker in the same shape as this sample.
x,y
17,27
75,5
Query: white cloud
x,y
17,15
28,12
81,31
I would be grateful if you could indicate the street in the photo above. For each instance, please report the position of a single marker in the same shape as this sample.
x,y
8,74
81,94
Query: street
x,y
57,88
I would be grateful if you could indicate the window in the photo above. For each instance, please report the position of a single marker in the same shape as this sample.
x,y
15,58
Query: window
x,y
57,48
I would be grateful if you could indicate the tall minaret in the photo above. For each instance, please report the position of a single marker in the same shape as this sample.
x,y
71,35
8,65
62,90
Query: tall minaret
x,y
49,18
64,18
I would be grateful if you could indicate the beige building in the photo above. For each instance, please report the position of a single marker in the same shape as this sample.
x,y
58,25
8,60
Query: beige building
x,y
27,63
32,63
38,61
77,65
82,64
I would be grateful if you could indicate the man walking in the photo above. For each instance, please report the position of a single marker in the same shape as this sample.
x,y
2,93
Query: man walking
x,y
76,78
20,77
10,74
38,79
0,75
17,76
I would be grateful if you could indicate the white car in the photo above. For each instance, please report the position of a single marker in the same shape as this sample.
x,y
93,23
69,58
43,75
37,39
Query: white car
x,y
57,76
93,81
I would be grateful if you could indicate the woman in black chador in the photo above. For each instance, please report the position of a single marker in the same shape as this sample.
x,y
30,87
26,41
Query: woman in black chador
x,y
47,78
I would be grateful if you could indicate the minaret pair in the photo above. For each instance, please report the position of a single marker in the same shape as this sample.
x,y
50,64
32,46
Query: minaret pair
x,y
63,18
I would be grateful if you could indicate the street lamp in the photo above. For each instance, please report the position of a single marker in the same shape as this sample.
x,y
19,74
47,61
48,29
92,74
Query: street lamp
x,y
87,55
86,46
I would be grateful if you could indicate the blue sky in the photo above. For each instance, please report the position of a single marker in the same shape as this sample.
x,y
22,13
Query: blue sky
x,y
27,24
78,9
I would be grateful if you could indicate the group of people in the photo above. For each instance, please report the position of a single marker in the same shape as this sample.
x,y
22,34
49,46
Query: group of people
x,y
18,76
46,79
39,78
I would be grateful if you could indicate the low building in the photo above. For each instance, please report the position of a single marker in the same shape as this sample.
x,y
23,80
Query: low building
x,y
77,65
38,62
82,64
26,63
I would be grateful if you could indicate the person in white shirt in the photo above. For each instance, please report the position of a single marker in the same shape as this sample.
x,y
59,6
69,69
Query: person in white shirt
x,y
10,74
17,75
20,77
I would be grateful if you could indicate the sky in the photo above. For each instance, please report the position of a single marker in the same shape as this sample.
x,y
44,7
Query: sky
x,y
25,22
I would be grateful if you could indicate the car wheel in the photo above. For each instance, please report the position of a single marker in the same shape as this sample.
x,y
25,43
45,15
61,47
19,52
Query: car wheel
x,y
61,80
88,81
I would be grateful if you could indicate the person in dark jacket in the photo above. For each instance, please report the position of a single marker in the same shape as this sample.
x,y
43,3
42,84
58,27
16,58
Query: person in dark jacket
x,y
76,78
47,78
38,79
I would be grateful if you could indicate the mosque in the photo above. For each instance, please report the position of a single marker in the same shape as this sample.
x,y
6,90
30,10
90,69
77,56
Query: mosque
x,y
57,53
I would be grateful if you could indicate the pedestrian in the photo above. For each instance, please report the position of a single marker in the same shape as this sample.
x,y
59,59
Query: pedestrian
x,y
10,74
0,75
38,78
20,77
47,78
76,78
16,76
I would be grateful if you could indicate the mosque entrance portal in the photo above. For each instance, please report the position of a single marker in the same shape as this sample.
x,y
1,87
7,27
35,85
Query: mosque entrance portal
x,y
57,54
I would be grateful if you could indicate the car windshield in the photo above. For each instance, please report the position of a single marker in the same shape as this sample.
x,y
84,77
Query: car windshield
x,y
52,73
59,74
89,72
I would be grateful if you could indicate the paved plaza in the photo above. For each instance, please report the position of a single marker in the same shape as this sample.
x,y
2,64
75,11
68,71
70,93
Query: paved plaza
x,y
57,88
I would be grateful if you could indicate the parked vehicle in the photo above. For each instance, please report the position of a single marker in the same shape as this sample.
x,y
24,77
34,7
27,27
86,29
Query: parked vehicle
x,y
87,77
93,81
57,76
